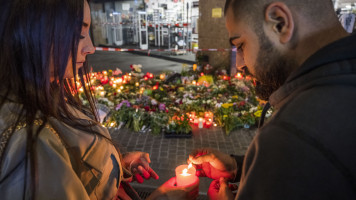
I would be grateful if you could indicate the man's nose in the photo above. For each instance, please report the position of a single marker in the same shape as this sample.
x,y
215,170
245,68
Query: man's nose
x,y
240,62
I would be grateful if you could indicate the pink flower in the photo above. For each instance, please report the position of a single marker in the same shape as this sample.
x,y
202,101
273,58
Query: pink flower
x,y
162,107
127,103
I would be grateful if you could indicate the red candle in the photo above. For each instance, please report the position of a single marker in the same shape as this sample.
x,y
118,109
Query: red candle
x,y
196,121
239,76
186,175
208,123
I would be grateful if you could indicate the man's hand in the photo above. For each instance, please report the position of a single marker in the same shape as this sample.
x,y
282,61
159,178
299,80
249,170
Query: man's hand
x,y
169,191
213,164
138,164
221,190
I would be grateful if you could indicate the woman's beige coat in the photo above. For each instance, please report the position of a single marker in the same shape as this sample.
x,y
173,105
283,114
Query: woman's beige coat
x,y
72,164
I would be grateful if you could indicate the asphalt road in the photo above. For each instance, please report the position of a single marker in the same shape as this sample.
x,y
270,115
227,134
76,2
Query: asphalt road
x,y
122,60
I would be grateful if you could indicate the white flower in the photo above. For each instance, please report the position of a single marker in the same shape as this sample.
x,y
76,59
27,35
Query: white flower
x,y
154,102
253,109
137,68
189,101
269,113
218,105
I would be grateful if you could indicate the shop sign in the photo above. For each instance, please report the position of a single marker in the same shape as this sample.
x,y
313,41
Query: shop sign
x,y
217,12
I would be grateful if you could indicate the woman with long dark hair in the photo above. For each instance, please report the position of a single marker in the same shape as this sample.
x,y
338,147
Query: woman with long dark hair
x,y
51,146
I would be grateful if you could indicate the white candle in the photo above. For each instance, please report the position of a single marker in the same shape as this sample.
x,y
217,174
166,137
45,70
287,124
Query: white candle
x,y
186,176
201,123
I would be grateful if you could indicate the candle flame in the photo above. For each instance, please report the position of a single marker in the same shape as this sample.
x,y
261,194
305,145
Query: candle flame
x,y
190,166
185,172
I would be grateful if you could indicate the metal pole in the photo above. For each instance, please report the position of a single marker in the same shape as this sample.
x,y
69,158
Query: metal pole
x,y
187,38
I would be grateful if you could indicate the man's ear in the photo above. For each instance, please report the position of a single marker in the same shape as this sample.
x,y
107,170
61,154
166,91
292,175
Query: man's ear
x,y
279,18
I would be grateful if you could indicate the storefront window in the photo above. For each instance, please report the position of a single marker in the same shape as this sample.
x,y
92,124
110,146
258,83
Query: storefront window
x,y
148,24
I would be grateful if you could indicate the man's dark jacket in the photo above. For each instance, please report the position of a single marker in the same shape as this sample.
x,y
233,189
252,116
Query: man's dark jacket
x,y
307,150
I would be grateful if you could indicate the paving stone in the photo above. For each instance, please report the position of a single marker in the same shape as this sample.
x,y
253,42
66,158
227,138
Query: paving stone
x,y
167,154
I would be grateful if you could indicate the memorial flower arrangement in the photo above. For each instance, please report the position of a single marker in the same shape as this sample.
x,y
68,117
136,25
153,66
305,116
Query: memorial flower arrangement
x,y
171,102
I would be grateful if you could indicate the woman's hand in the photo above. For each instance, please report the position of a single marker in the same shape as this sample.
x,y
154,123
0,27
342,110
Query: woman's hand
x,y
138,163
169,191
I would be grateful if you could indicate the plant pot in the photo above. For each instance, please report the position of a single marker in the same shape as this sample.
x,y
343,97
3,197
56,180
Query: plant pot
x,y
178,135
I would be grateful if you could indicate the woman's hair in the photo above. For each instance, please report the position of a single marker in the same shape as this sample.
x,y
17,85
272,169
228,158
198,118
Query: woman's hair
x,y
35,37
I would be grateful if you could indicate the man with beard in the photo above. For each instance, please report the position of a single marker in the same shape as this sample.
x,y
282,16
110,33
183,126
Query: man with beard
x,y
305,66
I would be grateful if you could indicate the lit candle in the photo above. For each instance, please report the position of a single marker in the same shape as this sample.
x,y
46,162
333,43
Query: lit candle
x,y
239,76
162,77
194,82
186,175
201,123
137,84
208,123
114,85
196,121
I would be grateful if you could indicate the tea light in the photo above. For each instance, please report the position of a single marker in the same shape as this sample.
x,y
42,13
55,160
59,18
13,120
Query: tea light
x,y
162,77
186,175
137,84
114,85
194,82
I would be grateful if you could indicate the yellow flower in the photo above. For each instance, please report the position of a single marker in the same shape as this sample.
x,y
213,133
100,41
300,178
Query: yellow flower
x,y
258,113
181,89
225,116
206,79
235,97
227,105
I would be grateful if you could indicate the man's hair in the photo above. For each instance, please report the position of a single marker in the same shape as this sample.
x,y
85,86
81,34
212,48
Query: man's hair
x,y
318,11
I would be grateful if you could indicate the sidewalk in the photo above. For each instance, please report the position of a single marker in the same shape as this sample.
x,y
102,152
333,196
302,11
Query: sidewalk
x,y
167,154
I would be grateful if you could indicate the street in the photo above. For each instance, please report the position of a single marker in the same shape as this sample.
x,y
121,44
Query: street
x,y
101,60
